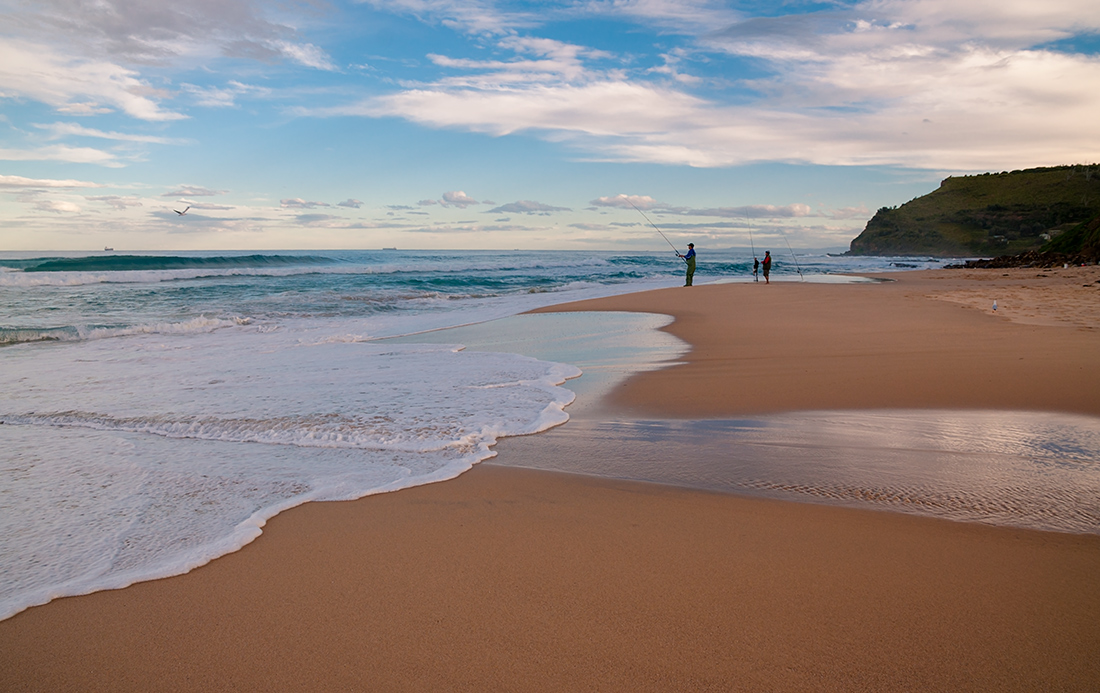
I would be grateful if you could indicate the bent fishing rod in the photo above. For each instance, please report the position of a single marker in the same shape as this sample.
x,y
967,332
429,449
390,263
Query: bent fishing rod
x,y
753,246
655,227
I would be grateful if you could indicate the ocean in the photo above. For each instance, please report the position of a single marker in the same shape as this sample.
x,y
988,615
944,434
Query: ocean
x,y
158,408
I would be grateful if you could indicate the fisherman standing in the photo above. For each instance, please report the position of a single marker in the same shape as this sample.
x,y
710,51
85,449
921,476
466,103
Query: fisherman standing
x,y
689,258
767,265
755,270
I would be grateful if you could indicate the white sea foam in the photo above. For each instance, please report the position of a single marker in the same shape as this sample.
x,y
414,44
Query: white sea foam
x,y
139,459
77,333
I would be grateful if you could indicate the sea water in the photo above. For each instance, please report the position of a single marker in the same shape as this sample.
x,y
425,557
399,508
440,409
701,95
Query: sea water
x,y
157,408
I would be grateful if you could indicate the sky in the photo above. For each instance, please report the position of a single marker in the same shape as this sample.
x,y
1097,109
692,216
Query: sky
x,y
420,124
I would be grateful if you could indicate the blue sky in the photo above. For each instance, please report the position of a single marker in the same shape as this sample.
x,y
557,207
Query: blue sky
x,y
442,124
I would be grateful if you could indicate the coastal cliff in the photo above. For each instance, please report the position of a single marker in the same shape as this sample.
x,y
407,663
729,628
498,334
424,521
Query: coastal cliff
x,y
990,214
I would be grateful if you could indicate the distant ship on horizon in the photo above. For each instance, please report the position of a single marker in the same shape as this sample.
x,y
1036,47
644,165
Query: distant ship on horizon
x,y
389,249
108,250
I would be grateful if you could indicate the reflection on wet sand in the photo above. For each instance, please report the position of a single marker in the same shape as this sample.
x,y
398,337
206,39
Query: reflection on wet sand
x,y
1021,469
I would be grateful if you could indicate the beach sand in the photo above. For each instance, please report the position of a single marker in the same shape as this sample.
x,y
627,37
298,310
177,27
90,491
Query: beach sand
x,y
515,579
799,346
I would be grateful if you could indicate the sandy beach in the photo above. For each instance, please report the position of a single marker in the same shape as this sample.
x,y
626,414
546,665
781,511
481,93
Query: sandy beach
x,y
921,340
514,579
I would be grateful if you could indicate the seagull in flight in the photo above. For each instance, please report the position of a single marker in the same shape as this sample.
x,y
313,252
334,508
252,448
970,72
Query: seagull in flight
x,y
183,212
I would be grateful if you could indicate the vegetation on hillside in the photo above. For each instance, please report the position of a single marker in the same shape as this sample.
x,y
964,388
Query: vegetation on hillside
x,y
1083,239
989,214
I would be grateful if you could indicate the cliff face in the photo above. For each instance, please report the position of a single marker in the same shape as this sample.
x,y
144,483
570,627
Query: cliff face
x,y
990,214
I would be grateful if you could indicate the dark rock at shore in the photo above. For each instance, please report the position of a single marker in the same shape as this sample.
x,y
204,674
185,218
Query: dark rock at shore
x,y
1032,258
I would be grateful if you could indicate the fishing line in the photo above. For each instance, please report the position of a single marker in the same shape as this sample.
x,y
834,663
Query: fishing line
x,y
654,226
795,257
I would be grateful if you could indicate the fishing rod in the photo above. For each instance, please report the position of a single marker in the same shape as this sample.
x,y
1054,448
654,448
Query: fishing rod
x,y
795,257
753,246
655,226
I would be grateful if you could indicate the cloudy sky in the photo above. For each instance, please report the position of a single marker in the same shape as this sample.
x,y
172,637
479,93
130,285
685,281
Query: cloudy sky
x,y
485,124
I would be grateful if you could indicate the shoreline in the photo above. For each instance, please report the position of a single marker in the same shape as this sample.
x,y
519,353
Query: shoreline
x,y
528,580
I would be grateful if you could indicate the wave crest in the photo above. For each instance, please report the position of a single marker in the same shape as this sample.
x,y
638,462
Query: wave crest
x,y
10,336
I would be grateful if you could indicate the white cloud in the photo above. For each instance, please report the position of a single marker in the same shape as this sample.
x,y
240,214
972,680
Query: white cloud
x,y
57,152
59,130
211,97
91,58
354,204
920,83
211,207
1015,24
117,201
57,206
457,198
87,108
624,201
983,110
193,191
860,212
645,202
527,207
222,97
299,203
497,18
754,211
607,108
37,72
160,31
306,54
671,67
469,16
19,182
316,219
688,16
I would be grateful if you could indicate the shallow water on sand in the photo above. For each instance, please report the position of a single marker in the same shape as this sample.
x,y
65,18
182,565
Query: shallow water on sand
x,y
1036,470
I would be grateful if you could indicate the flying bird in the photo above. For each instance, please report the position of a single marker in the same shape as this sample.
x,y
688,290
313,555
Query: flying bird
x,y
183,212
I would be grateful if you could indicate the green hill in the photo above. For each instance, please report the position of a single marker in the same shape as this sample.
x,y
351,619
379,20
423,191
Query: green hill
x,y
1083,239
989,214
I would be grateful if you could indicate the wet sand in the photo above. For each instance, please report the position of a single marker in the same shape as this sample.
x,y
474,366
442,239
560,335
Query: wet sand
x,y
514,579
